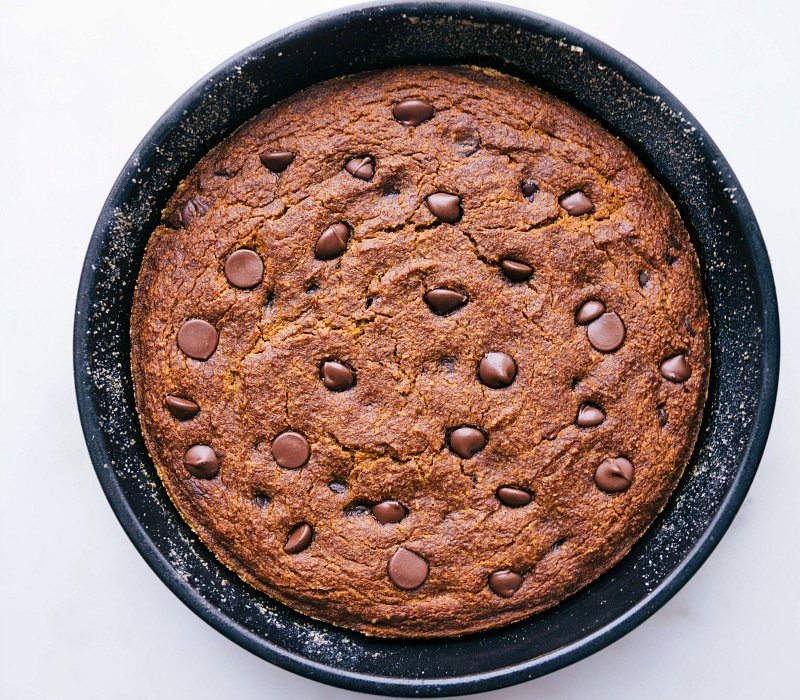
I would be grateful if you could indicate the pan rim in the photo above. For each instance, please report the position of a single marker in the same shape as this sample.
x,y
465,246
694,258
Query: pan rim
x,y
508,675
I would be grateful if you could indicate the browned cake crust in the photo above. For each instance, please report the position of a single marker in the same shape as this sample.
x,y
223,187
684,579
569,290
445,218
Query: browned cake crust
x,y
404,366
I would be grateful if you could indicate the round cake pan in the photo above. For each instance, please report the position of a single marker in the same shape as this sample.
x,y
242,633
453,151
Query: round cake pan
x,y
595,79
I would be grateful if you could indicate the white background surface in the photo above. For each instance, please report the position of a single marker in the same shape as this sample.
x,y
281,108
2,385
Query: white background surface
x,y
81,614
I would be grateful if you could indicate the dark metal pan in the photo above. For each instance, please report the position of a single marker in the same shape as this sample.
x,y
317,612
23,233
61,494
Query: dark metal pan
x,y
590,76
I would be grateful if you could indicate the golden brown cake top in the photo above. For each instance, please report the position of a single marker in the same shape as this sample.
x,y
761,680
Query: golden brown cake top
x,y
420,352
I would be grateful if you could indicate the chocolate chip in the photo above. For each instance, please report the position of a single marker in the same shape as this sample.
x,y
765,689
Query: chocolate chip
x,y
262,500
357,509
576,203
589,415
529,189
516,271
676,368
412,112
589,311
181,408
505,583
466,441
513,497
337,376
191,209
558,544
290,450
244,269
661,409
198,338
332,242
201,461
606,333
445,206
468,144
673,242
362,167
299,538
312,288
276,161
444,301
389,512
613,475
644,278
337,487
497,369
407,570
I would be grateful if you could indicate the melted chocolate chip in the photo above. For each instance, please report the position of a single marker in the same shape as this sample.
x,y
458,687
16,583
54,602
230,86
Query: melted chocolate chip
x,y
676,368
589,311
466,441
673,242
290,450
244,269
444,206
513,497
332,242
644,278
337,376
192,209
529,188
661,409
389,512
357,509
201,462
412,112
497,369
337,487
276,161
362,167
606,333
181,408
299,538
444,301
449,363
407,570
576,203
198,339
468,144
505,583
589,416
262,500
614,475
516,271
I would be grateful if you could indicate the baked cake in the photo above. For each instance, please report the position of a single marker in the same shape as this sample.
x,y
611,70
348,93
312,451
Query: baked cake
x,y
420,352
